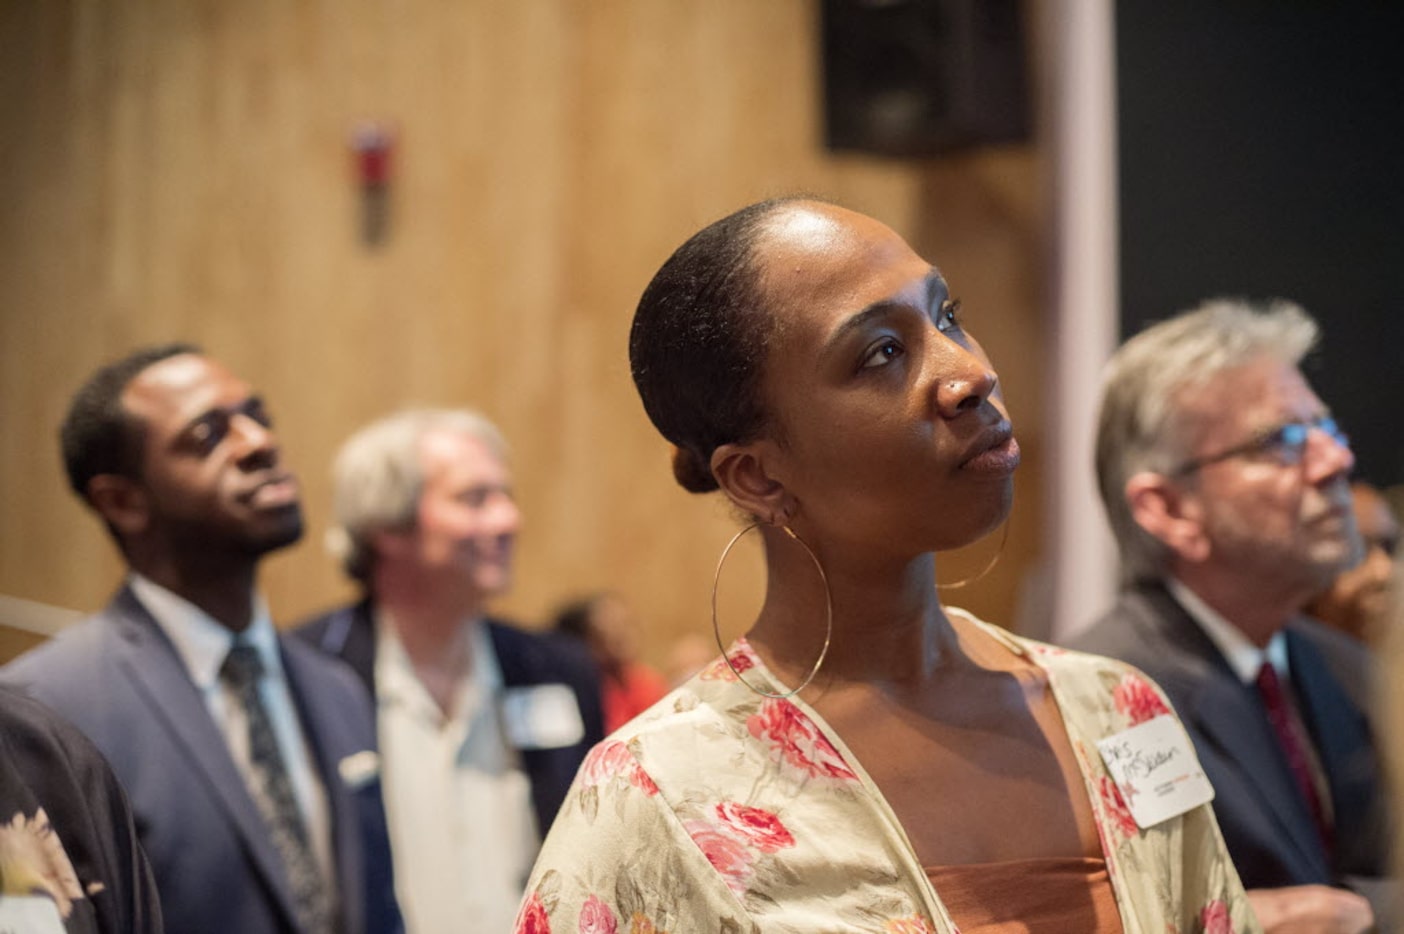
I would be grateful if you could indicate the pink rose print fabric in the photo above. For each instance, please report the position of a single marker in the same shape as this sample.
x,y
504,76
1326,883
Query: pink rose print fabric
x,y
1115,807
1136,700
612,760
796,740
761,829
737,837
729,856
722,811
532,919
597,918
741,659
1215,918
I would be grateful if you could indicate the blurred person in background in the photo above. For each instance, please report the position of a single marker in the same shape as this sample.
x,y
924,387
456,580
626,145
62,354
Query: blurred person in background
x,y
608,626
481,724
1358,602
248,758
1225,480
1390,697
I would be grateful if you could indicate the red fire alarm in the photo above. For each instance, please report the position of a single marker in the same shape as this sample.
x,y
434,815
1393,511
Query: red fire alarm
x,y
373,145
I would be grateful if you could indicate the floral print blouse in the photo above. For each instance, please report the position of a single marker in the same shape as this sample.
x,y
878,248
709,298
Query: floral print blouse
x,y
720,810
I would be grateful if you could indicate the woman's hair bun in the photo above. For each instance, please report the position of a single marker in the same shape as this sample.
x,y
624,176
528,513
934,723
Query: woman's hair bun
x,y
691,472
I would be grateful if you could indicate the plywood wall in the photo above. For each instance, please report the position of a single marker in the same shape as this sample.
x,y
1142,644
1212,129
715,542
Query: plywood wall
x,y
180,169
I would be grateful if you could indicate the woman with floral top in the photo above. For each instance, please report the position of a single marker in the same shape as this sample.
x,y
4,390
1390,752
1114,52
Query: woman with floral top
x,y
934,773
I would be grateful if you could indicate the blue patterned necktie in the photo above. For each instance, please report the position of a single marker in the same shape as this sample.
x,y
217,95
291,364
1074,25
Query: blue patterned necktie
x,y
242,670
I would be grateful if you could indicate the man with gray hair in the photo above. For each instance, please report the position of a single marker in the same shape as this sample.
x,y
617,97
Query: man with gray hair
x,y
1225,480
481,725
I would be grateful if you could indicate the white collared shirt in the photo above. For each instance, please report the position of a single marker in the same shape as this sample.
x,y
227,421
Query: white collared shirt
x,y
1243,656
202,644
462,830
1246,659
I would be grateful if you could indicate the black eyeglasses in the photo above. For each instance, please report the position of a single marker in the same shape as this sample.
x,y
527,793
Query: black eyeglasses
x,y
1284,444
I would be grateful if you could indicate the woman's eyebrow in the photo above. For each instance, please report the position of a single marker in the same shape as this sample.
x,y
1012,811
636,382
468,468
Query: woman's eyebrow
x,y
937,289
936,293
857,320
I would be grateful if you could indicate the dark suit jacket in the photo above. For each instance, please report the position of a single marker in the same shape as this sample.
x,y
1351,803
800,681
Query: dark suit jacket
x,y
118,679
45,763
526,659
1265,821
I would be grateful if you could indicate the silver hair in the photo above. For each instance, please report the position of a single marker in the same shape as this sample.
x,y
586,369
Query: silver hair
x,y
1139,427
378,477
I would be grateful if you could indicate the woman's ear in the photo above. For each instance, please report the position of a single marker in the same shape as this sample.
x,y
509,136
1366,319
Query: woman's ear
x,y
1168,513
121,502
741,472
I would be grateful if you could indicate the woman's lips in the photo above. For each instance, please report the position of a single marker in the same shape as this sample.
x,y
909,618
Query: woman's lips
x,y
997,453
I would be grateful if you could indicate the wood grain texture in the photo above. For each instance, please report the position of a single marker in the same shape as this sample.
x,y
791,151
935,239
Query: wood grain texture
x,y
180,169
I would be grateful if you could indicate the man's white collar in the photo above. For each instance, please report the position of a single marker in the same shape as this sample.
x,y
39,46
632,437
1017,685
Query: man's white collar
x,y
1243,656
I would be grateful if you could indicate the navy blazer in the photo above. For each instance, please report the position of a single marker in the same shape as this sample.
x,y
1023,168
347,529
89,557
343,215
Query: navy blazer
x,y
1266,823
526,659
118,679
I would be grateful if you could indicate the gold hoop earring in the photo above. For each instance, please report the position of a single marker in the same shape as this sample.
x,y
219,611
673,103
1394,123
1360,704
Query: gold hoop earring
x,y
828,613
989,565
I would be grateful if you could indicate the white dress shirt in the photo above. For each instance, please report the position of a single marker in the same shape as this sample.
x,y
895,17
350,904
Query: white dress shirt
x,y
1246,659
462,830
202,644
1243,656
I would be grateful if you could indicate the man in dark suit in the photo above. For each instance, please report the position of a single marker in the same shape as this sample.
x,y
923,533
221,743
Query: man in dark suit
x,y
1226,483
482,725
248,758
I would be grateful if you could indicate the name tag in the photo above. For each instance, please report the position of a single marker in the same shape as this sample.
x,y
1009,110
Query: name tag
x,y
544,716
1154,766
29,914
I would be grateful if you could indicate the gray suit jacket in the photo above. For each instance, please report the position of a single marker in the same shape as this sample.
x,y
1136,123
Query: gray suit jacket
x,y
118,679
1266,823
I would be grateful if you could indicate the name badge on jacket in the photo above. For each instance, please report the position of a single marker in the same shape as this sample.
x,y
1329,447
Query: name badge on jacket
x,y
1154,766
544,716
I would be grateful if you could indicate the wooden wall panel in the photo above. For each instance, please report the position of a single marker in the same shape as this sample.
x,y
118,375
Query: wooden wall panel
x,y
180,169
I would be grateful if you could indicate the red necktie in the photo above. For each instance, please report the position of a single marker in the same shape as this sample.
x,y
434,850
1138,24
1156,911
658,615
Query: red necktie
x,y
1293,746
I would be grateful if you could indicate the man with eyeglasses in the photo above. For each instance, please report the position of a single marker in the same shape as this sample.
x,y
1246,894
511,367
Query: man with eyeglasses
x,y
1226,482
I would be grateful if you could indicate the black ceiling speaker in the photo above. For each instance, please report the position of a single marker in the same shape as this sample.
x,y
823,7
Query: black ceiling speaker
x,y
923,77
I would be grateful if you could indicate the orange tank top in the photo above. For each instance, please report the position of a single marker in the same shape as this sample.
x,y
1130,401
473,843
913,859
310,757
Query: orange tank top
x,y
1029,896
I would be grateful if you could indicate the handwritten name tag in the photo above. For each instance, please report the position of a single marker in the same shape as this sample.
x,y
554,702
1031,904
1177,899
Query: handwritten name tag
x,y
542,717
1157,771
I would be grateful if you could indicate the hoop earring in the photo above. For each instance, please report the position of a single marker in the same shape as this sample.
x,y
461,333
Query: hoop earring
x,y
828,614
989,565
